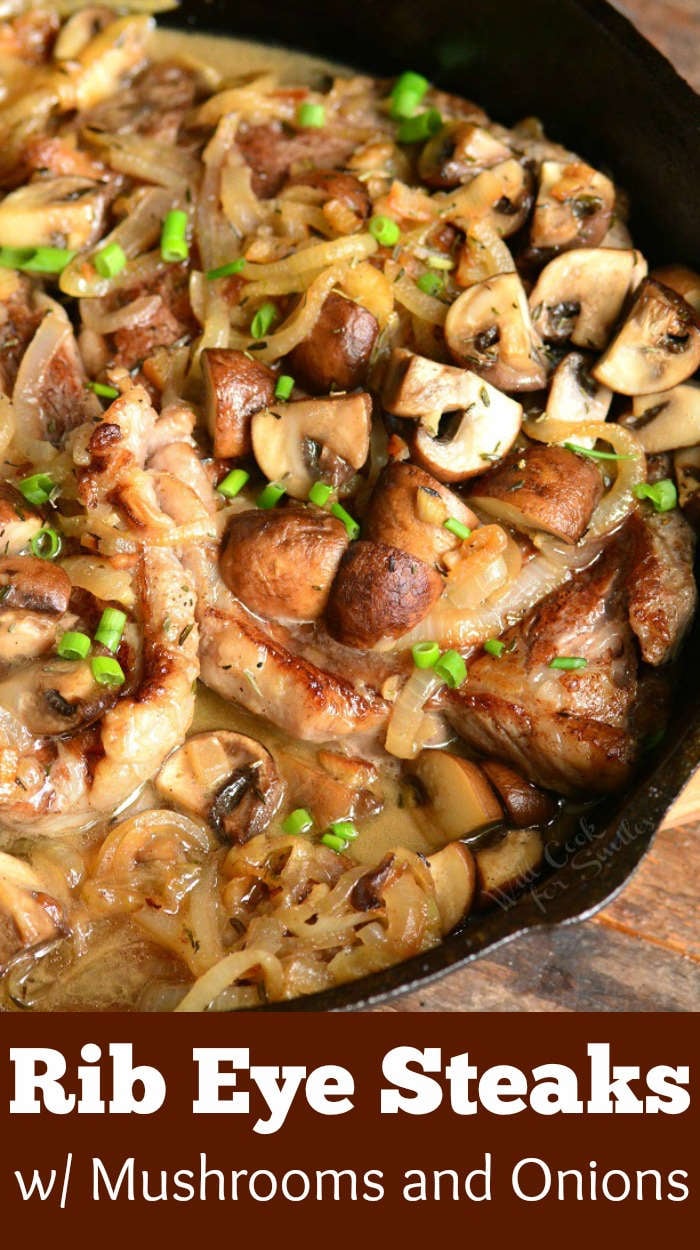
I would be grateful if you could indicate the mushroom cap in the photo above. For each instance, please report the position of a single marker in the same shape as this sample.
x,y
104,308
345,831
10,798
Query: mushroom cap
x,y
457,152
408,509
543,488
581,293
656,348
288,441
574,395
481,434
379,592
338,350
488,329
668,420
502,195
573,208
235,387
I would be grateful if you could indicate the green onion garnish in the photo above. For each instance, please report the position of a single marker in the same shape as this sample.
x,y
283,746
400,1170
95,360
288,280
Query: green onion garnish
x,y
385,231
270,496
107,672
320,493
334,843
425,654
568,663
457,528
173,237
46,543
110,260
343,829
106,392
596,455
663,495
263,320
298,821
418,129
74,646
349,522
407,93
311,116
38,488
284,386
15,257
494,646
451,668
227,271
48,260
431,283
233,483
110,629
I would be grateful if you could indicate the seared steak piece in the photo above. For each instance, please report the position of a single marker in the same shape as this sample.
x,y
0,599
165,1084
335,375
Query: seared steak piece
x,y
660,583
273,152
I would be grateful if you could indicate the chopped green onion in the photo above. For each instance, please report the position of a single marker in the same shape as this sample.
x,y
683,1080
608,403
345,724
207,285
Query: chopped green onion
x,y
233,483
38,488
431,283
227,271
425,654
284,386
451,668
263,320
110,260
110,629
320,493
298,821
457,528
15,257
407,93
271,495
107,672
311,116
334,843
343,829
663,495
420,128
349,522
494,646
568,663
596,455
173,237
385,231
46,543
101,388
74,646
48,260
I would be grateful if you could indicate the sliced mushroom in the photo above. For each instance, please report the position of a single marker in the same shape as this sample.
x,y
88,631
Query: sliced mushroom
x,y
474,439
336,354
53,212
575,396
326,797
501,195
33,585
686,465
458,151
36,916
52,697
669,420
656,348
524,802
281,563
573,208
227,779
119,47
543,488
19,522
460,799
379,593
454,877
78,30
235,388
408,510
290,442
508,864
581,294
686,282
488,329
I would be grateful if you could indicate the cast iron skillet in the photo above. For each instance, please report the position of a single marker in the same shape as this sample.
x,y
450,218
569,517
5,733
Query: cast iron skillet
x,y
603,90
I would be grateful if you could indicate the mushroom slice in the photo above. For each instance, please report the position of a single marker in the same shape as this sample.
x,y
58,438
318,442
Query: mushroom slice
x,y
289,444
573,208
502,194
457,152
454,878
379,593
543,488
685,282
408,510
36,916
119,47
669,420
225,778
338,350
656,348
488,329
580,294
235,387
460,799
575,396
508,864
52,212
479,435
686,465
524,802
19,522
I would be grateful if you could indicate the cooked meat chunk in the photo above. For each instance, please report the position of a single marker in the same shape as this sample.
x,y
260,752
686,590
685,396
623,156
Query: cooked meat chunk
x,y
235,388
172,319
153,105
337,352
660,582
273,153
334,185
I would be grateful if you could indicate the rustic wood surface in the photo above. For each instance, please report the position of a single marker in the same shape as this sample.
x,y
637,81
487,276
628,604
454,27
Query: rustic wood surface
x,y
643,952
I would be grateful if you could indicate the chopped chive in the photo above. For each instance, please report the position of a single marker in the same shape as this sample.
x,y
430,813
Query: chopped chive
x,y
431,283
596,455
110,260
38,488
298,821
568,663
457,528
46,543
15,257
320,493
74,646
48,260
663,495
407,93
349,522
494,646
451,668
110,629
343,829
420,128
311,116
233,483
334,843
106,392
107,671
227,271
173,236
263,320
270,496
284,386
385,231
425,654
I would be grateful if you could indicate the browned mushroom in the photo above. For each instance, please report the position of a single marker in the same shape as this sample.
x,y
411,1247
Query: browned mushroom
x,y
460,799
454,878
501,195
686,465
573,208
327,438
524,802
507,864
35,914
488,329
656,348
581,293
281,563
313,786
379,593
33,585
686,282
575,396
336,354
235,387
669,420
543,488
408,510
19,521
457,152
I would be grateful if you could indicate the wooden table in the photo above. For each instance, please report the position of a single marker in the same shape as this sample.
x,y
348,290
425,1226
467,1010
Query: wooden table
x,y
643,952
